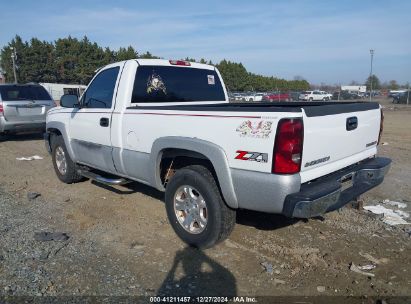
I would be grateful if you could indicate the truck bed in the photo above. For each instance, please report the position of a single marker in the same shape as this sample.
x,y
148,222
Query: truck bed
x,y
311,109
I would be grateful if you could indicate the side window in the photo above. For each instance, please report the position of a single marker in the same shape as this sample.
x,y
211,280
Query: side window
x,y
100,92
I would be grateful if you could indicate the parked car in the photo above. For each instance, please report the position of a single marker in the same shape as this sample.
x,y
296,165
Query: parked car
x,y
404,98
314,96
23,107
250,97
295,96
231,96
145,122
345,95
355,95
327,95
374,93
394,93
240,97
276,96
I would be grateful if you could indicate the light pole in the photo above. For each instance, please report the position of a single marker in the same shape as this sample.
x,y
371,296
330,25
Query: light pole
x,y
372,56
13,58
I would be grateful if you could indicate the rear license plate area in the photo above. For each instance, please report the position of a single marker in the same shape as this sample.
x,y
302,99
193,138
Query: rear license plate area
x,y
347,181
29,111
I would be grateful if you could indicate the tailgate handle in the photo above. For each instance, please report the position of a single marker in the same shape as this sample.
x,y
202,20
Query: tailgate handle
x,y
352,123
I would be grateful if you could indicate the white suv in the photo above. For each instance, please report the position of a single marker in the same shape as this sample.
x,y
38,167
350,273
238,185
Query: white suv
x,y
314,95
254,97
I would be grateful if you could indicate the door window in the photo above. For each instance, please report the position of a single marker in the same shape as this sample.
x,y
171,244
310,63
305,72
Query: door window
x,y
100,92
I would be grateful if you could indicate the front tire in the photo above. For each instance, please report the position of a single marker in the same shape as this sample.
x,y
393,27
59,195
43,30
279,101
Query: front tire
x,y
64,166
195,208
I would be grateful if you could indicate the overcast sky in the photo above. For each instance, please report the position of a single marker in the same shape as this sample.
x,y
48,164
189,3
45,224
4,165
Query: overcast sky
x,y
323,41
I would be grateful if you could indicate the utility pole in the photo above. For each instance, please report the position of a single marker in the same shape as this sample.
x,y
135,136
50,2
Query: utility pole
x,y
339,92
13,58
408,94
372,56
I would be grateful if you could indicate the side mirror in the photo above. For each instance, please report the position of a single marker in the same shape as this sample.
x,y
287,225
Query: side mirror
x,y
69,101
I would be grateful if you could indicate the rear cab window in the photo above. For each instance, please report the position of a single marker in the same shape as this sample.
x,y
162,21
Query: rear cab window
x,y
20,92
176,84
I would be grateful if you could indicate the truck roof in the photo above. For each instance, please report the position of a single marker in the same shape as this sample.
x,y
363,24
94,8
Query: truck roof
x,y
166,62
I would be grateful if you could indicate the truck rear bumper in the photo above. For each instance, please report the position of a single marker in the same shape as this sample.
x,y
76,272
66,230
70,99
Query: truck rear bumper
x,y
333,191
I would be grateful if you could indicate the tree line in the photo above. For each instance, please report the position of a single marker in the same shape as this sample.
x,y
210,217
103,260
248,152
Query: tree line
x,y
377,85
66,60
72,60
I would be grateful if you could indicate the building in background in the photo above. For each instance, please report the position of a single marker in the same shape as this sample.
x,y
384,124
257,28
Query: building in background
x,y
57,90
354,88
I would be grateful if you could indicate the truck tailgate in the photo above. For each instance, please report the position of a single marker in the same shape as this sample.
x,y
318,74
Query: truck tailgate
x,y
336,136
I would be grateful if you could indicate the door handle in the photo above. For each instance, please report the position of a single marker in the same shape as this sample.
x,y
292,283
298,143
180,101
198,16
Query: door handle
x,y
351,124
104,122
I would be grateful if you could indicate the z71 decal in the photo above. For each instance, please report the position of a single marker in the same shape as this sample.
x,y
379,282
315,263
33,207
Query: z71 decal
x,y
252,156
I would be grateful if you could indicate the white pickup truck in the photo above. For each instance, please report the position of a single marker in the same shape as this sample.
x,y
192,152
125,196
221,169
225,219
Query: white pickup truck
x,y
168,124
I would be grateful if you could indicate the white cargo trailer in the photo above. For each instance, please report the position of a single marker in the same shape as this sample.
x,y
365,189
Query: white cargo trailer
x,y
354,88
57,90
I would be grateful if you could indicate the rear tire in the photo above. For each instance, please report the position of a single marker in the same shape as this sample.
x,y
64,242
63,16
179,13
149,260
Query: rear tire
x,y
4,136
310,99
64,166
201,218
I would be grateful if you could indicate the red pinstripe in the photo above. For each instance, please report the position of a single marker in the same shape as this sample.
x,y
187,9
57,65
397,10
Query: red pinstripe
x,y
163,114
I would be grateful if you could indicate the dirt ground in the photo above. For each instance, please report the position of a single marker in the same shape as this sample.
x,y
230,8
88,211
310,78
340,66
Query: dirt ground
x,y
121,243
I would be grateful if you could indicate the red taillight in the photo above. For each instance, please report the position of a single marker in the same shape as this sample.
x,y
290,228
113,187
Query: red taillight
x,y
288,147
381,126
179,62
1,109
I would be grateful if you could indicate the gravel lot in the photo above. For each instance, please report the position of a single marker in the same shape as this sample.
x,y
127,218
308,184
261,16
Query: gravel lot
x,y
120,242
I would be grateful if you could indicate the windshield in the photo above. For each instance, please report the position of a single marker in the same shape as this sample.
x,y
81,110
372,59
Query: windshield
x,y
17,92
176,84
